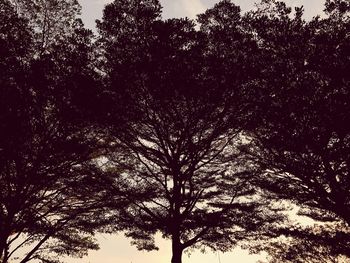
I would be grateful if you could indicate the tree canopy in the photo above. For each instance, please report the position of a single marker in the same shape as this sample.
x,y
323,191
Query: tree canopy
x,y
195,129
48,199
304,99
175,144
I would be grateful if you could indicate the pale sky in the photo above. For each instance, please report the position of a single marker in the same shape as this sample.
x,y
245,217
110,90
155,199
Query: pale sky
x,y
116,248
92,9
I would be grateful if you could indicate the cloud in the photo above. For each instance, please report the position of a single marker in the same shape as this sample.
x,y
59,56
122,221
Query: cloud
x,y
92,10
182,8
312,7
192,8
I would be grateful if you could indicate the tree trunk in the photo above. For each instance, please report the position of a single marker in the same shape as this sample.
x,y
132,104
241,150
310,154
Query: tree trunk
x,y
3,249
176,249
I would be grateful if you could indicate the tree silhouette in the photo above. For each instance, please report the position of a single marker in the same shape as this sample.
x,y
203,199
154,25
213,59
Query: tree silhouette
x,y
307,106
172,126
190,130
302,144
48,196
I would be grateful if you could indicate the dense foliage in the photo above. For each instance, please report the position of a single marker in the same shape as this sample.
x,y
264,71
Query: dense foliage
x,y
193,129
49,201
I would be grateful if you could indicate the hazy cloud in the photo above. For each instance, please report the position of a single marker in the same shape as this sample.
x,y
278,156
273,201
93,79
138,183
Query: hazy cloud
x,y
92,10
182,8
192,8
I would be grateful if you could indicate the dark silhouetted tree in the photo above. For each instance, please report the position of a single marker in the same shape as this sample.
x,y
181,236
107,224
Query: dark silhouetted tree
x,y
172,126
302,139
307,88
49,197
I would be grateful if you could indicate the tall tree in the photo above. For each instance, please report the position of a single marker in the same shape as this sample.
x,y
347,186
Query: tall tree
x,y
47,199
302,140
170,123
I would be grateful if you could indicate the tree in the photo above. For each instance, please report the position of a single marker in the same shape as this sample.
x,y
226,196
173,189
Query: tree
x,y
49,196
171,142
301,141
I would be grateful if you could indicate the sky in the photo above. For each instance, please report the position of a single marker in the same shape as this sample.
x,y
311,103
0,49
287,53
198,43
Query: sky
x,y
92,9
116,248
